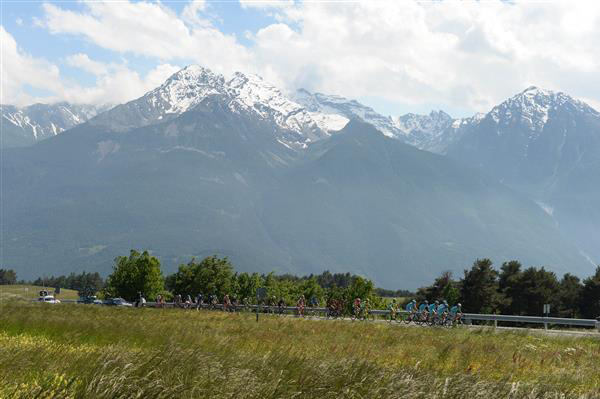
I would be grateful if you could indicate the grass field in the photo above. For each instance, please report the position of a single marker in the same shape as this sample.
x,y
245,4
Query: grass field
x,y
19,291
61,351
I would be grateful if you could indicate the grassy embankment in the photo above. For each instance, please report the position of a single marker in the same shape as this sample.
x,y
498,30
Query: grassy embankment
x,y
54,351
19,291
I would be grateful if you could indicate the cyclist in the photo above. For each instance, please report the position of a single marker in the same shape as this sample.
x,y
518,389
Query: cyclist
x,y
300,304
442,311
357,307
226,303
199,299
411,308
423,312
456,312
393,307
281,306
366,305
432,310
423,306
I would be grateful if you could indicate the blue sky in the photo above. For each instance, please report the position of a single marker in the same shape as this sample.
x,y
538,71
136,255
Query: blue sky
x,y
396,56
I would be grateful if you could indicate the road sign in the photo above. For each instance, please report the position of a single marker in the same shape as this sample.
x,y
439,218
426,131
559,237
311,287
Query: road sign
x,y
546,308
261,293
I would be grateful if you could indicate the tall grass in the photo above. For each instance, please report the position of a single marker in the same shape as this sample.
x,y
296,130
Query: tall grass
x,y
79,351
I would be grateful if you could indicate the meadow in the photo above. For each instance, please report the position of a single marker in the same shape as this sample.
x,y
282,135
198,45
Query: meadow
x,y
90,351
21,291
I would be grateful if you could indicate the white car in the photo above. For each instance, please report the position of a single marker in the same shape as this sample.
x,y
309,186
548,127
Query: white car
x,y
48,299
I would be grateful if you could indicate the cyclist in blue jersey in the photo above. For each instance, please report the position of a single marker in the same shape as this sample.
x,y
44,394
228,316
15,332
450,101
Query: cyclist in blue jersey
x,y
432,311
442,307
456,313
456,309
432,307
442,311
423,310
411,306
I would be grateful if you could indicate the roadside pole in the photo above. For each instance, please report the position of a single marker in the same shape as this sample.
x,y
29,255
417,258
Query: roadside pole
x,y
261,293
546,313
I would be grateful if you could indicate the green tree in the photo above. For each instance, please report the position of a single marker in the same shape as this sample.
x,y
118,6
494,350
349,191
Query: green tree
x,y
133,274
479,288
570,289
436,291
311,289
7,276
359,288
247,285
451,293
508,285
590,296
536,288
211,276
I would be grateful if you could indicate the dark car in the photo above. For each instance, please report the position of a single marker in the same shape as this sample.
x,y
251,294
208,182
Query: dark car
x,y
117,302
92,299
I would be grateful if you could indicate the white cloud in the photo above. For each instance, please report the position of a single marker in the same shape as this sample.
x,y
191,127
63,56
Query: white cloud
x,y
83,61
469,55
454,54
20,70
151,29
266,4
115,83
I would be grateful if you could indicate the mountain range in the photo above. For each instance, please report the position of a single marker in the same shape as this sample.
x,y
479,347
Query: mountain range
x,y
303,182
22,126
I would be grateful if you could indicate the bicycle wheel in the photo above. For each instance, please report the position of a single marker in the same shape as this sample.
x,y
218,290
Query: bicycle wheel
x,y
431,321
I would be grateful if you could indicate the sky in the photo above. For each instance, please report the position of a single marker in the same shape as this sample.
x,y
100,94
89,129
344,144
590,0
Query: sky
x,y
397,56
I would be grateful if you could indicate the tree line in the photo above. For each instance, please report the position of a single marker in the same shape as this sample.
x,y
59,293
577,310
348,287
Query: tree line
x,y
516,290
512,289
141,273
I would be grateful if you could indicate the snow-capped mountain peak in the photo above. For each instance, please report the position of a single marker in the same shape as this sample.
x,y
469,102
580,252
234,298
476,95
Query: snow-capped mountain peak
x,y
186,88
533,106
26,125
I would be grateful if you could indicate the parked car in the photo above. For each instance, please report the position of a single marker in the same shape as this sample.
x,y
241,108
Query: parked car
x,y
117,302
92,299
48,299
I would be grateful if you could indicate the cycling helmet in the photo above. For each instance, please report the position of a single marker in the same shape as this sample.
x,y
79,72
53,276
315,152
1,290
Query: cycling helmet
x,y
445,302
414,301
426,301
437,302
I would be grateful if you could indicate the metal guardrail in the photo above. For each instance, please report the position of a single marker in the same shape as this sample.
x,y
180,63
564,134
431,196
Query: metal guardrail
x,y
532,320
468,318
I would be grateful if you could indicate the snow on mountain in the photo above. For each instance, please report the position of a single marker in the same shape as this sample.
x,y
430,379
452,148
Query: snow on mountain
x,y
332,111
39,121
433,132
536,136
190,86
253,92
532,107
427,132
185,89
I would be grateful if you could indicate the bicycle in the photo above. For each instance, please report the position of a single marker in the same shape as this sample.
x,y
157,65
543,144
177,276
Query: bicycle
x,y
410,317
432,318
